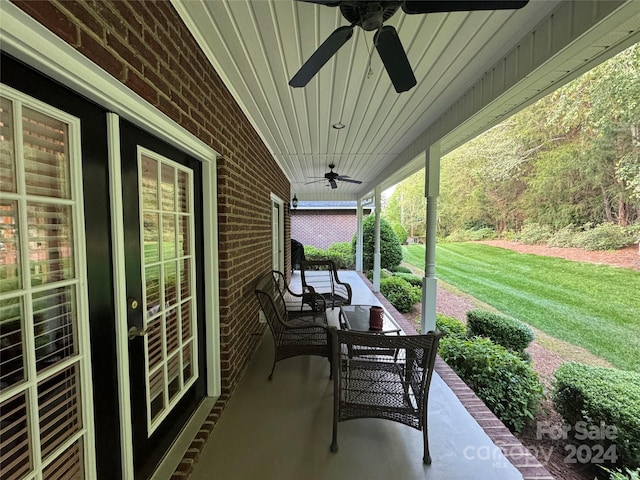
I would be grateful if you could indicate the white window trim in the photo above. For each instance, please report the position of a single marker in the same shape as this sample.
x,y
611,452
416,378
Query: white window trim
x,y
29,41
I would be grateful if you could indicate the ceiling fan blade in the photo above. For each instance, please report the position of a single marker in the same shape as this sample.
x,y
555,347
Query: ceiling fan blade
x,y
394,58
315,181
433,6
350,180
333,184
321,56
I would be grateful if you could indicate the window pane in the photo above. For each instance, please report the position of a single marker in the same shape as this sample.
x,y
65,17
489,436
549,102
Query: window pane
x,y
183,235
170,283
187,367
168,236
7,147
154,342
59,408
152,290
46,162
53,319
168,190
50,247
183,192
10,274
151,238
149,189
11,349
67,466
15,446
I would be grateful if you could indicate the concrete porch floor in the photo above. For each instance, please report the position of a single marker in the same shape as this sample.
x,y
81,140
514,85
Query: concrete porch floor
x,y
281,429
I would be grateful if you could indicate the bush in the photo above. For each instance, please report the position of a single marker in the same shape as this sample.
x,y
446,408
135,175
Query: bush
x,y
563,238
400,293
313,253
506,331
506,384
402,269
607,236
450,326
414,280
602,396
623,475
390,248
471,235
342,255
401,233
534,233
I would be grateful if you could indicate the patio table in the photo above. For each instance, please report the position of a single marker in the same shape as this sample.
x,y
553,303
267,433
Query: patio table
x,y
356,318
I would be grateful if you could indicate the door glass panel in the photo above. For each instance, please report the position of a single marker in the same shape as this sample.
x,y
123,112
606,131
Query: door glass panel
x,y
169,345
49,242
42,361
7,147
46,162
10,274
15,443
54,324
11,341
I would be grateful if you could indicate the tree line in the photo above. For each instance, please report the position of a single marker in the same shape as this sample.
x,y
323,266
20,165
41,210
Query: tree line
x,y
570,159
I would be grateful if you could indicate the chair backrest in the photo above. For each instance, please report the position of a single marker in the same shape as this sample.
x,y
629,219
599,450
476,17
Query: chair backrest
x,y
271,301
321,276
383,376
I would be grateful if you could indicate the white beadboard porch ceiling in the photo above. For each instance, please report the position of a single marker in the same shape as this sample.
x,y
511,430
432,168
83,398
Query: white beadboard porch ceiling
x,y
258,45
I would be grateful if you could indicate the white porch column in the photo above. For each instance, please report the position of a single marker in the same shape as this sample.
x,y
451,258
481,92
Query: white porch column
x,y
429,282
376,245
359,236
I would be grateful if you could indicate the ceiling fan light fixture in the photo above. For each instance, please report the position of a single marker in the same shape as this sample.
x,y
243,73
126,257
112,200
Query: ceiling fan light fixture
x,y
338,125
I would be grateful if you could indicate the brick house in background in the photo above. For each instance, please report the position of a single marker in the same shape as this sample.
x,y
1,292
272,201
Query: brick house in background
x,y
319,224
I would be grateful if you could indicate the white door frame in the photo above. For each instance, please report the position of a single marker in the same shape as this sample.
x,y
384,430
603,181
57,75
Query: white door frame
x,y
29,41
278,250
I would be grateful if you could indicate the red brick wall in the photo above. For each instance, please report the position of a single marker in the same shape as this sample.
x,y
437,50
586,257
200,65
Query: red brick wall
x,y
146,46
321,228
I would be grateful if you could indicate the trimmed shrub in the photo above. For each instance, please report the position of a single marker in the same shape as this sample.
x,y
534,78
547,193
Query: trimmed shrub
x,y
402,269
400,293
414,280
450,326
390,248
534,233
342,255
506,384
598,397
607,236
313,253
506,331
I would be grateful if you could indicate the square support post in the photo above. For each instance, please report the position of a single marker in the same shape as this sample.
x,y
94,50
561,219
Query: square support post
x,y
429,282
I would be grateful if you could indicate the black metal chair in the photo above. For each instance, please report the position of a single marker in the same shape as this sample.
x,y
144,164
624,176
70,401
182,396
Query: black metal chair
x,y
304,333
321,277
371,383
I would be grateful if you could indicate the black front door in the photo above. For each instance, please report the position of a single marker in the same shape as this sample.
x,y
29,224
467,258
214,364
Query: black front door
x,y
162,200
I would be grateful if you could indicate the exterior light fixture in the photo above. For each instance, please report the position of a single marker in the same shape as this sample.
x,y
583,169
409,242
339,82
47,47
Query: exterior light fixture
x,y
338,126
294,201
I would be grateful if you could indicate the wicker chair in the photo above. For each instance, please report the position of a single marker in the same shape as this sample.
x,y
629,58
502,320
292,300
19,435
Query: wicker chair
x,y
321,277
297,303
382,376
293,335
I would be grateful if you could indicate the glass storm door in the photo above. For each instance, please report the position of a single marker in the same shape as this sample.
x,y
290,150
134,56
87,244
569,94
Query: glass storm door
x,y
161,217
45,382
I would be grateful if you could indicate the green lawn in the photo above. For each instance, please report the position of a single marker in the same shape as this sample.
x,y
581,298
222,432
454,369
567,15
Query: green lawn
x,y
594,306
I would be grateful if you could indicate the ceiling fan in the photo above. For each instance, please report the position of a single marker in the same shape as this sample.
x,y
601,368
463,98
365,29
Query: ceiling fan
x,y
332,176
370,15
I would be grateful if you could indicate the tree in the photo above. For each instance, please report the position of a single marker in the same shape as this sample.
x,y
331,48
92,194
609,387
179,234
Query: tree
x,y
390,248
407,205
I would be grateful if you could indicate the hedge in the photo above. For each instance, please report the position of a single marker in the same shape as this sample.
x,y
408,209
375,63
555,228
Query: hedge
x,y
506,383
506,331
602,396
